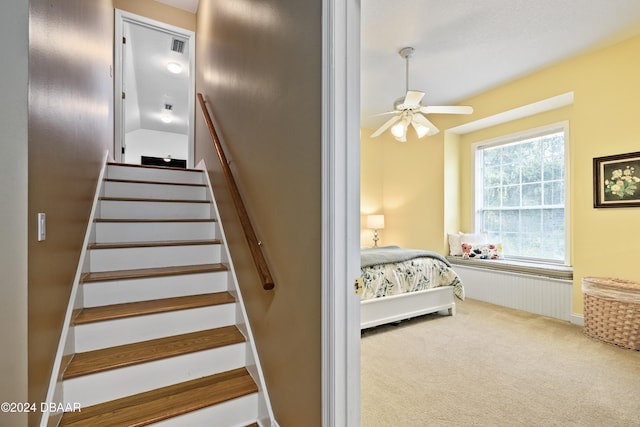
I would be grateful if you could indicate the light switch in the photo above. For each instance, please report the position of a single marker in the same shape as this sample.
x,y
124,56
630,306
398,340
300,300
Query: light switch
x,y
42,227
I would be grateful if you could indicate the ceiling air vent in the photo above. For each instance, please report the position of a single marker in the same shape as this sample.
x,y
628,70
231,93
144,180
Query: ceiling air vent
x,y
168,107
177,45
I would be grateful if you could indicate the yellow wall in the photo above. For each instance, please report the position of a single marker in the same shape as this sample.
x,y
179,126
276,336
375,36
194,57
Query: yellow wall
x,y
372,179
412,192
602,121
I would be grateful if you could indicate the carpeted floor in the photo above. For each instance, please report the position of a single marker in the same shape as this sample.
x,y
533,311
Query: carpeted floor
x,y
494,366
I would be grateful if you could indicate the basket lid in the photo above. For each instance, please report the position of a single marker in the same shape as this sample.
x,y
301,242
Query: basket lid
x,y
612,287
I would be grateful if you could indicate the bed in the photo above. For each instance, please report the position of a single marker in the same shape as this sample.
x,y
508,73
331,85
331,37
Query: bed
x,y
403,283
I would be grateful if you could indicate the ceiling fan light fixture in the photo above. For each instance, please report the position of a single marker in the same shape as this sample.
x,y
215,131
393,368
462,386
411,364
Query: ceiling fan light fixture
x,y
421,130
399,130
410,111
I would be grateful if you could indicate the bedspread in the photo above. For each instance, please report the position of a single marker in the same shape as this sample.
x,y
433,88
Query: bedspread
x,y
409,276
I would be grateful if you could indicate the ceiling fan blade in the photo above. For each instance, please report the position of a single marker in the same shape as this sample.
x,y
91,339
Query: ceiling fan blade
x,y
447,109
385,113
385,126
420,120
413,98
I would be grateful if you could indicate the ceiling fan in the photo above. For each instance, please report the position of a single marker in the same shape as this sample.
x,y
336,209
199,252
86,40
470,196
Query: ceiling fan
x,y
409,110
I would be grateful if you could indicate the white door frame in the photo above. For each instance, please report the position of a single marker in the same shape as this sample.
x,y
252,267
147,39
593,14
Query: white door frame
x,y
122,17
340,213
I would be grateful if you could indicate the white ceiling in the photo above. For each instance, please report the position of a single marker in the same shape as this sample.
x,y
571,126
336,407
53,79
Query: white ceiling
x,y
465,47
149,85
188,5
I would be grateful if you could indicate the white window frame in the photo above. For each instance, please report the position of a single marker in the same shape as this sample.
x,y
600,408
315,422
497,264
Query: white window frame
x,y
519,136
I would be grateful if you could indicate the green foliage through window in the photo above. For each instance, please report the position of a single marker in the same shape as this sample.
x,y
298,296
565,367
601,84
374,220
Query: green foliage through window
x,y
520,198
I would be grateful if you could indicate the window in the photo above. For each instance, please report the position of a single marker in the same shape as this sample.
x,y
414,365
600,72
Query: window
x,y
520,194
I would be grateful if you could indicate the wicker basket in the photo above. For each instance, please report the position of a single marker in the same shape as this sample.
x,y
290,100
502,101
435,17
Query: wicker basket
x,y
612,311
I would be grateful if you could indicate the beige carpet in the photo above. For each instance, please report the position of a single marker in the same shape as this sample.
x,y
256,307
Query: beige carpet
x,y
492,366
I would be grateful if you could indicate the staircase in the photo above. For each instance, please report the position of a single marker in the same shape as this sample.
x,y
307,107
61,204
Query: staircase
x,y
156,337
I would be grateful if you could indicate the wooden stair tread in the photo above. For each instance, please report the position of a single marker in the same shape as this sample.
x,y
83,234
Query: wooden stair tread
x,y
152,244
139,352
151,199
140,181
140,308
140,273
160,404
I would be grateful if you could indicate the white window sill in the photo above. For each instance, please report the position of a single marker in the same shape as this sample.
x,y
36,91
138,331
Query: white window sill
x,y
562,272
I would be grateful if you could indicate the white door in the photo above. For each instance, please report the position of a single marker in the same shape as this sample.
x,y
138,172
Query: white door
x,y
154,91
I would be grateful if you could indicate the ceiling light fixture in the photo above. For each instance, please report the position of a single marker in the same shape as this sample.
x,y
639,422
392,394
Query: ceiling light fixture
x,y
409,111
166,118
174,67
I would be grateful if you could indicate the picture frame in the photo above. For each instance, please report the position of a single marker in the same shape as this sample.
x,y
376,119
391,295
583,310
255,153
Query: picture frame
x,y
616,181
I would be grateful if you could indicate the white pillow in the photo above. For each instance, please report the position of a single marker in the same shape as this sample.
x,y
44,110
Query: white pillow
x,y
455,244
474,239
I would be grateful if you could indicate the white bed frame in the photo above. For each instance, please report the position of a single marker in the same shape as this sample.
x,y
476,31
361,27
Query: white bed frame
x,y
378,311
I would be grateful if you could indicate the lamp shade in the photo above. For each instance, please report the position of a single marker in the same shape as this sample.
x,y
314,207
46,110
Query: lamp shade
x,y
375,222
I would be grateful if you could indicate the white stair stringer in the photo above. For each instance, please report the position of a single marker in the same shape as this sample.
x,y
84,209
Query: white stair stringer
x,y
265,411
156,239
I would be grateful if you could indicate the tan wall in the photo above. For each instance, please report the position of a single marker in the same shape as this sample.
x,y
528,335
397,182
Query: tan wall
x,y
159,12
260,67
602,120
14,26
70,131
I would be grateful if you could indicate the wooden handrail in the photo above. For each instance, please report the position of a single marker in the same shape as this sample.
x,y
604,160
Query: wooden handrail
x,y
254,244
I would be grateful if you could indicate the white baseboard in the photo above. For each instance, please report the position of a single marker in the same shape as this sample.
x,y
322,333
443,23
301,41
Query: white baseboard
x,y
577,319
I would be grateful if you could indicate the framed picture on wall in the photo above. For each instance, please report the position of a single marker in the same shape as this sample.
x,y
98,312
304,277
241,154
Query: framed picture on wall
x,y
616,181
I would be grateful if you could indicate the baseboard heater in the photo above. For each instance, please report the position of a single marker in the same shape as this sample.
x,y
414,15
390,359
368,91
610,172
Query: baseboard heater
x,y
527,290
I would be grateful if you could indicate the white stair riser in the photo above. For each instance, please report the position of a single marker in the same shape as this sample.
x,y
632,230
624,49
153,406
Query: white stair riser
x,y
116,383
154,191
236,412
153,257
132,290
154,174
113,232
93,336
116,209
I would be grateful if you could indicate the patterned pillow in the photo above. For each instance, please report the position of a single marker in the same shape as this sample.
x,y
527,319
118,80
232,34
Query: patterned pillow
x,y
456,239
482,251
